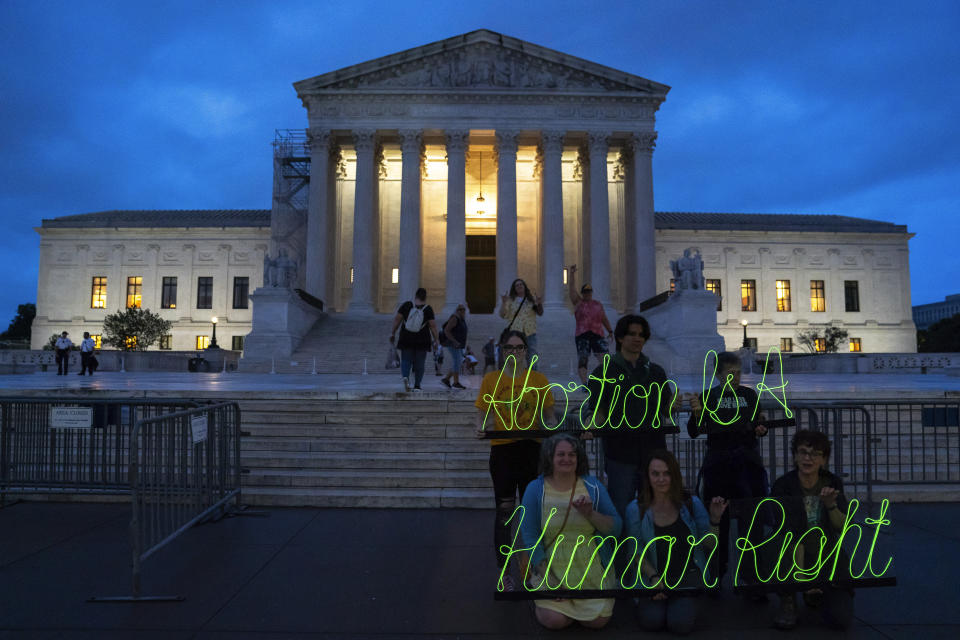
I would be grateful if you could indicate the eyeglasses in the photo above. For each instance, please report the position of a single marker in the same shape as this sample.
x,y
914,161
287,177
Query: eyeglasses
x,y
809,453
513,347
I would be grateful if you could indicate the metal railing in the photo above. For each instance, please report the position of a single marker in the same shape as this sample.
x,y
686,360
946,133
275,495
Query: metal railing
x,y
56,445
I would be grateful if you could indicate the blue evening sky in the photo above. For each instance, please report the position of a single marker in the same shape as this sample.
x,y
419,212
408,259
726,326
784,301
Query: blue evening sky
x,y
847,108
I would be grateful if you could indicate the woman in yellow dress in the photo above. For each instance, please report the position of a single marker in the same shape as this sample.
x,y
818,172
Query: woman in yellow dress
x,y
564,503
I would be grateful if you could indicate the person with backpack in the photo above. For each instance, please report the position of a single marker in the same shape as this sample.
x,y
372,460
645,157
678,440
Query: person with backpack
x,y
418,336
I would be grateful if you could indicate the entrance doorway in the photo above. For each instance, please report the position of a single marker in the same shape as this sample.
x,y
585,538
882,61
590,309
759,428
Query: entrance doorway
x,y
481,273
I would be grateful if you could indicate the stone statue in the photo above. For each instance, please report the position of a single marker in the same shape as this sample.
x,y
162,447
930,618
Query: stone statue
x,y
286,271
688,271
269,276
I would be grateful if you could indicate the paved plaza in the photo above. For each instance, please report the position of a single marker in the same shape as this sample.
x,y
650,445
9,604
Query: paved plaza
x,y
355,573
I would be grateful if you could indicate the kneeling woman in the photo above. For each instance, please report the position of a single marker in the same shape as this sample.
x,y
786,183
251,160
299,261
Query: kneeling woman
x,y
665,508
583,508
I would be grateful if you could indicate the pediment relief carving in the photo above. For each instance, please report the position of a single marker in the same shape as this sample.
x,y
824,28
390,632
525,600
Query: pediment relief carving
x,y
478,66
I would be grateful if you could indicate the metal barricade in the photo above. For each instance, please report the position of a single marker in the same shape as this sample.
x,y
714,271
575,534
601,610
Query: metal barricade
x,y
70,446
184,468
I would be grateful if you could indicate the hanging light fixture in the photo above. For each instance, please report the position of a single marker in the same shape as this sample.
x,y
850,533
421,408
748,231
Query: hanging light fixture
x,y
480,198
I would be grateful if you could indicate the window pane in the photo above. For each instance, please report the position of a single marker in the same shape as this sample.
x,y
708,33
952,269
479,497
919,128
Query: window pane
x,y
166,342
818,299
713,286
205,293
748,295
134,292
203,342
854,344
241,289
851,295
98,293
752,343
168,295
786,345
783,295
819,345
237,343
97,340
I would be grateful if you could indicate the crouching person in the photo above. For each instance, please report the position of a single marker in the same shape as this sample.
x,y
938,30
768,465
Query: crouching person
x,y
567,512
665,508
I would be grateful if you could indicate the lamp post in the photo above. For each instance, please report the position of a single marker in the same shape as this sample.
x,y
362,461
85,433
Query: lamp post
x,y
213,339
746,343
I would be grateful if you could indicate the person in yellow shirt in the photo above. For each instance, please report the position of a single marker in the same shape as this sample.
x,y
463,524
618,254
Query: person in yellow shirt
x,y
512,398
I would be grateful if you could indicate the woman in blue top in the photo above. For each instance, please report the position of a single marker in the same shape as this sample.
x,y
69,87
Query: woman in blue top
x,y
563,505
665,508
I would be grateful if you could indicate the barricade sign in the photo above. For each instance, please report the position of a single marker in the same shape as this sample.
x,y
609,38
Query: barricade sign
x,y
198,428
71,417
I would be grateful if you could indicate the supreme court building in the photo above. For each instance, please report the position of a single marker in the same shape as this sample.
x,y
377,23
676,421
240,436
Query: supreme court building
x,y
459,166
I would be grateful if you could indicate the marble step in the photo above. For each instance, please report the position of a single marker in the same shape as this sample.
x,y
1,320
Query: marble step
x,y
363,445
401,498
326,460
368,478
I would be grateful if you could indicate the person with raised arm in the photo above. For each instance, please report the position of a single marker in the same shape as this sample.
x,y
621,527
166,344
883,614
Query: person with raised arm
x,y
581,509
521,307
591,322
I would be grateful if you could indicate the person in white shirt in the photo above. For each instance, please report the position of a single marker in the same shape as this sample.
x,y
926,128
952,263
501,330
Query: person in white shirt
x,y
62,347
87,345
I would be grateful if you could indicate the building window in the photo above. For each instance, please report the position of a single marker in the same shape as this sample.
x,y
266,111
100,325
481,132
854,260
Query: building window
x,y
819,345
713,286
786,345
564,277
130,342
168,294
395,275
205,292
851,295
203,342
855,345
237,343
752,344
818,298
748,295
351,275
166,342
241,290
97,340
134,292
98,293
783,295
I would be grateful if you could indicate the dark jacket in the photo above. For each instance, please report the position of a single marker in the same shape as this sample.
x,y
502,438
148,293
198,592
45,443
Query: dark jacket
x,y
729,442
788,486
630,434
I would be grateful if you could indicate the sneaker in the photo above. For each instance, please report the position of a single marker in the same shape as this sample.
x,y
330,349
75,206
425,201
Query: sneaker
x,y
446,383
417,389
813,598
457,385
406,384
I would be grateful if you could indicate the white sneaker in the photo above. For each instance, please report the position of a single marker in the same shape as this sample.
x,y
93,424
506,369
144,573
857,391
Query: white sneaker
x,y
406,385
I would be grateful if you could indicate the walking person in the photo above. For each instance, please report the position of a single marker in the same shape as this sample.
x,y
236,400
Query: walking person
x,y
87,345
522,307
454,339
418,336
591,322
62,347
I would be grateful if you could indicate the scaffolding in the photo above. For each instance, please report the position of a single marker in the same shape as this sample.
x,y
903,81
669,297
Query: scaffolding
x,y
291,158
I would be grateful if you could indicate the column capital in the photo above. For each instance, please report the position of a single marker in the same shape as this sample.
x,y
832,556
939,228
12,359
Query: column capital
x,y
552,141
457,141
364,140
318,139
598,141
506,140
643,142
410,140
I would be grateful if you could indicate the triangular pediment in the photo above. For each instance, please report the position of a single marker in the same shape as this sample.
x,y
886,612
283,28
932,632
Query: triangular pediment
x,y
482,61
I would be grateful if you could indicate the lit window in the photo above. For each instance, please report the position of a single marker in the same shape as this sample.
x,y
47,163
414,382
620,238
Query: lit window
x,y
818,298
205,292
351,275
395,275
851,295
237,343
166,342
713,286
203,342
855,345
819,345
97,340
564,276
786,345
130,342
241,292
783,295
98,293
748,295
168,294
134,292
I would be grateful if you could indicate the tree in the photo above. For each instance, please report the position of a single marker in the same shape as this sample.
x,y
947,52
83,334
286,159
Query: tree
x,y
133,329
941,337
19,328
829,338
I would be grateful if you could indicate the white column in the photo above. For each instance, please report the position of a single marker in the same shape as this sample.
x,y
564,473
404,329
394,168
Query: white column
x,y
318,211
551,222
456,220
644,232
410,236
582,169
364,231
506,155
599,217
